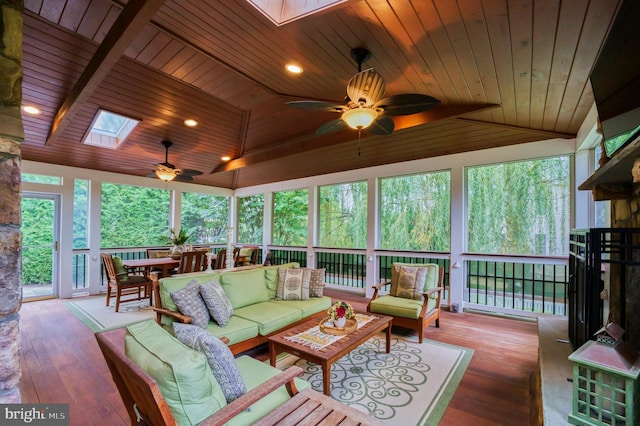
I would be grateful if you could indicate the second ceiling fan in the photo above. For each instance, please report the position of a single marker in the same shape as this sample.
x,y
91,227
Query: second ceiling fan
x,y
365,106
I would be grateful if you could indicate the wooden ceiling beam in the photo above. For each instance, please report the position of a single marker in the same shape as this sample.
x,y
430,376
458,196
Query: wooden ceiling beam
x,y
135,15
311,142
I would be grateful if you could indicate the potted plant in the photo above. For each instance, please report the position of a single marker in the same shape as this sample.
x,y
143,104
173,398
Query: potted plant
x,y
177,240
340,312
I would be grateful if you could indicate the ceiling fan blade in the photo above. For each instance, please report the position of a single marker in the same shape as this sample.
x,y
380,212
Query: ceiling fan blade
x,y
317,106
190,172
152,175
382,125
406,104
183,178
332,126
366,86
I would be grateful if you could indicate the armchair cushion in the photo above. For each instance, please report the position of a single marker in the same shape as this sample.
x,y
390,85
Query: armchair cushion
x,y
293,284
410,282
189,302
217,302
220,359
396,306
430,281
183,375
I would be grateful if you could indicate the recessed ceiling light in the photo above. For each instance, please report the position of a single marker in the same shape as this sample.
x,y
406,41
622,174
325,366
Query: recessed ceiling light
x,y
190,122
30,109
225,158
293,68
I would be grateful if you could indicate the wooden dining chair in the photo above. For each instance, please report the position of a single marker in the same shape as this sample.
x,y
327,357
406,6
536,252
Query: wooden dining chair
x,y
122,282
221,258
192,261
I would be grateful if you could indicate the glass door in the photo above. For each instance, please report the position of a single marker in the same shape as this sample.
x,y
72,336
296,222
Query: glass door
x,y
39,245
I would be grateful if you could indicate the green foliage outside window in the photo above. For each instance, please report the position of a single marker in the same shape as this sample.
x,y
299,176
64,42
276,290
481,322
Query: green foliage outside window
x,y
80,210
250,219
343,215
290,217
519,208
37,240
133,216
205,217
415,212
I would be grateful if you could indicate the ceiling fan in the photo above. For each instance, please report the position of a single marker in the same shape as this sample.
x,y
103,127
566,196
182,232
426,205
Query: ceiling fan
x,y
365,106
168,172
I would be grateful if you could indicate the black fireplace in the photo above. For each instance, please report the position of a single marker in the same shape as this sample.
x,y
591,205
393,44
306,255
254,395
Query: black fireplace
x,y
589,251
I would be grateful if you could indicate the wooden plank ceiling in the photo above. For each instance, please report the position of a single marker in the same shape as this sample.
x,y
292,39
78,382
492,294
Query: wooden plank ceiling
x,y
505,71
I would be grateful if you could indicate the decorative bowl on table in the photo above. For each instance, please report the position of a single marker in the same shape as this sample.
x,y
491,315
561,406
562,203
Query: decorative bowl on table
x,y
328,327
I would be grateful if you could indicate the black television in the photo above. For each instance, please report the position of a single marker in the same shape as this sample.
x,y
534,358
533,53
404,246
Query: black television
x,y
615,79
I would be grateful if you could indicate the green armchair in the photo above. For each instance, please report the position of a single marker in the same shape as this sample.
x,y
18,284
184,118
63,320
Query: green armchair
x,y
414,298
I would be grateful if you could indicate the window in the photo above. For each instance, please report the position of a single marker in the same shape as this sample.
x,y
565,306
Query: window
x,y
414,212
519,207
109,130
35,178
250,219
343,215
290,217
80,213
133,216
205,217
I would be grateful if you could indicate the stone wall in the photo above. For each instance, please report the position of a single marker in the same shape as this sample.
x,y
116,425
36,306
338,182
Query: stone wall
x,y
626,214
11,136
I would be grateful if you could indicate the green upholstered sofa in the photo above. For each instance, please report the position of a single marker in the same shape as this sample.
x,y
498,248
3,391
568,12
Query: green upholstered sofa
x,y
252,292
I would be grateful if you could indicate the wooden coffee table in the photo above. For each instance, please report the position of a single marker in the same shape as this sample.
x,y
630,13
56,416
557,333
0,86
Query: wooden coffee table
x,y
330,354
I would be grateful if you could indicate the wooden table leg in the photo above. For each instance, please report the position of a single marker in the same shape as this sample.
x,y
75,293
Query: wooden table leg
x,y
326,378
272,354
389,338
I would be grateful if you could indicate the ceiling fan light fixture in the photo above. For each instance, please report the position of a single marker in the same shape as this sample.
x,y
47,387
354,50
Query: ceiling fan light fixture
x,y
165,175
359,118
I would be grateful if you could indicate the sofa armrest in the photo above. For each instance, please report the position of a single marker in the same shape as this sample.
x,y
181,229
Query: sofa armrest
x,y
175,315
236,407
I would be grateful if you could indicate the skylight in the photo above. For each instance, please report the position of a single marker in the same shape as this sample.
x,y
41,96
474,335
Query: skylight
x,y
109,130
282,12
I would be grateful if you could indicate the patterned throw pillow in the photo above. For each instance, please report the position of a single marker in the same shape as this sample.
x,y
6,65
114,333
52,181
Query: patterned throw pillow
x,y
189,302
316,283
293,284
217,302
220,359
410,282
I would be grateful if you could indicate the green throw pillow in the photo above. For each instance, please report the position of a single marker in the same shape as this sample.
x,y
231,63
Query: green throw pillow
x,y
183,374
120,268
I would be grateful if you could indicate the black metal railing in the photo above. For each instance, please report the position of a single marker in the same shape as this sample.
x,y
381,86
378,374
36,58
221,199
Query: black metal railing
x,y
344,269
532,287
282,256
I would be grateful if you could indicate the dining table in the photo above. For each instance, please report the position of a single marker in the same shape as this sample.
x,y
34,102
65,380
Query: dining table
x,y
163,263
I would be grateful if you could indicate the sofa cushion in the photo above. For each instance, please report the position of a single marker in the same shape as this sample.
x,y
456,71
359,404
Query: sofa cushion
x,y
271,276
237,329
245,287
255,373
189,302
293,284
269,316
118,265
410,282
169,284
183,375
316,283
217,302
220,359
308,307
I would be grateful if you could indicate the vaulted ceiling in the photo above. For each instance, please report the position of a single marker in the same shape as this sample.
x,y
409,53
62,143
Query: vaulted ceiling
x,y
506,72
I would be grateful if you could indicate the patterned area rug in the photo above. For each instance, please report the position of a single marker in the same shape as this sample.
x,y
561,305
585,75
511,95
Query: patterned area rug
x,y
98,317
412,385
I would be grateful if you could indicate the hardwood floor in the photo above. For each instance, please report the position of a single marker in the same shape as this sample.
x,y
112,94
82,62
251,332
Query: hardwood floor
x,y
61,363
